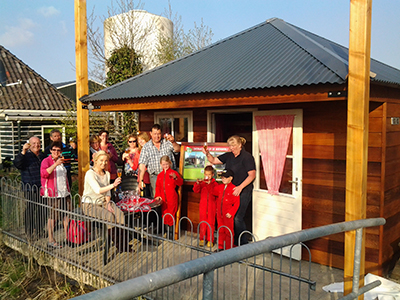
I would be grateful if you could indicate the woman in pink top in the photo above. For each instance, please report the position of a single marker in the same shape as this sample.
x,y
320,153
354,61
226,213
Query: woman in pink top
x,y
55,188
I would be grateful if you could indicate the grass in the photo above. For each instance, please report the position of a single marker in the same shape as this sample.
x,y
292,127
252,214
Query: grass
x,y
22,278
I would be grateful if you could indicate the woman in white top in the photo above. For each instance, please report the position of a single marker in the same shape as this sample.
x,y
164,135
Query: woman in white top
x,y
96,199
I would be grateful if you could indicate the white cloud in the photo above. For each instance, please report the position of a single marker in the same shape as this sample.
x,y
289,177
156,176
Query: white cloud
x,y
48,11
18,35
64,28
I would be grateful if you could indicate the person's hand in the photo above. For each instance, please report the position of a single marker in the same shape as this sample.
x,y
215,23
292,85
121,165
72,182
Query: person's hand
x,y
237,190
117,181
158,198
205,151
198,181
228,215
140,187
125,156
25,147
59,161
110,207
172,175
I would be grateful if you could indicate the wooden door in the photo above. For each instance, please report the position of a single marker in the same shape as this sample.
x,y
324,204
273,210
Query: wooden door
x,y
275,215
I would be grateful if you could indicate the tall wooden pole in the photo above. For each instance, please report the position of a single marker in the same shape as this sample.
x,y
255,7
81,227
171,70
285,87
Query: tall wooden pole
x,y
357,128
82,115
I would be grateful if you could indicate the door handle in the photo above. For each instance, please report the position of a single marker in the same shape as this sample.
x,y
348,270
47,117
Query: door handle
x,y
296,182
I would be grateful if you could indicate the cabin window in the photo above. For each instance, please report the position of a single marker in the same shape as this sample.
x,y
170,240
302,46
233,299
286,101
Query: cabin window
x,y
179,124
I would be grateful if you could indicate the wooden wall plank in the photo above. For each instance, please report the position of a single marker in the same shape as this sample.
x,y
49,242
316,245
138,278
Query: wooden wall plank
x,y
337,261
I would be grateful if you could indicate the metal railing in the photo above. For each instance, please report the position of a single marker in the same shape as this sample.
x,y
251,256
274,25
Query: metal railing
x,y
160,268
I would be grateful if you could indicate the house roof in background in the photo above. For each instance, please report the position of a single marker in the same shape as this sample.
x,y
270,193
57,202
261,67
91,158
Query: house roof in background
x,y
73,82
34,93
68,88
269,55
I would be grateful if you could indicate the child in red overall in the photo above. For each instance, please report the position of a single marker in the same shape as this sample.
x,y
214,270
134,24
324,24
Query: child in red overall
x,y
207,206
166,183
227,206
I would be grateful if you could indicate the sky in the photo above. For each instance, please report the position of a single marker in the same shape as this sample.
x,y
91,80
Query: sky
x,y
41,33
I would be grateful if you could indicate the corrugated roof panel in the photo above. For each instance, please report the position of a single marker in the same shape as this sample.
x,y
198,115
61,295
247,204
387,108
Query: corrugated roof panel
x,y
271,54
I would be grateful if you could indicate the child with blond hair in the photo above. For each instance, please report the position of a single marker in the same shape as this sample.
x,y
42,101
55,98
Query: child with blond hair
x,y
166,183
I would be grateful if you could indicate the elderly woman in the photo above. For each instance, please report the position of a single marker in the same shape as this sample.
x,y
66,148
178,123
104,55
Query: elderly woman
x,y
243,166
55,188
96,199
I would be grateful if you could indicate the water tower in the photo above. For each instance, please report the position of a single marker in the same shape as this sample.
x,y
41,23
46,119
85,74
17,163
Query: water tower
x,y
140,29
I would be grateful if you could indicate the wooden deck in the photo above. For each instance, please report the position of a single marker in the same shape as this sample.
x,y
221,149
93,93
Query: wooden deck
x,y
237,281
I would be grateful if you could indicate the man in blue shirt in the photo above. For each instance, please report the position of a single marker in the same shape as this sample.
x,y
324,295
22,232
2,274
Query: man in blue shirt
x,y
28,162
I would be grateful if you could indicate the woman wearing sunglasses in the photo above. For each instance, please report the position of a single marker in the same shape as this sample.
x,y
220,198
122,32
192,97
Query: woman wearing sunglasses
x,y
56,189
130,159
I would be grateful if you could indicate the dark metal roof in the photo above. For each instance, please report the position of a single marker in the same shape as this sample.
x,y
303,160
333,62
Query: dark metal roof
x,y
34,93
68,88
271,54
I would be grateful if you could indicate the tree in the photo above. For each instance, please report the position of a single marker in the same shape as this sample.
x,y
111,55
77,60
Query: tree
x,y
182,43
128,30
123,63
135,36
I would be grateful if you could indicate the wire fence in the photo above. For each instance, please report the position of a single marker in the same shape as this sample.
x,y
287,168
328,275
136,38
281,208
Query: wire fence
x,y
101,252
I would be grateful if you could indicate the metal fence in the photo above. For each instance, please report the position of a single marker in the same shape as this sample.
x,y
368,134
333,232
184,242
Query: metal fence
x,y
158,267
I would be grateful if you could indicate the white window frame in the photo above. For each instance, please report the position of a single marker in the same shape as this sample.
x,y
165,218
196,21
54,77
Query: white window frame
x,y
174,115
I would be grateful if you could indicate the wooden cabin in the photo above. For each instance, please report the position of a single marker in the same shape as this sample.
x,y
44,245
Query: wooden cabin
x,y
276,68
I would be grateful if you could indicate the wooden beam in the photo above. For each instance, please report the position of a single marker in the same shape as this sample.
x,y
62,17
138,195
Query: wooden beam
x,y
82,115
357,129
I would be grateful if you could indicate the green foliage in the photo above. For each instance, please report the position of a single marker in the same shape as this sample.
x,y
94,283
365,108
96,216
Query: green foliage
x,y
97,121
130,125
123,63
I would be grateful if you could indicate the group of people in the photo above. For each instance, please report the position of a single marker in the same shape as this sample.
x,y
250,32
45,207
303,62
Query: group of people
x,y
226,202
47,179
148,166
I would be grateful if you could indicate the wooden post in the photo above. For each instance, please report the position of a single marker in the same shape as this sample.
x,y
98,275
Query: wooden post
x,y
82,115
179,211
357,129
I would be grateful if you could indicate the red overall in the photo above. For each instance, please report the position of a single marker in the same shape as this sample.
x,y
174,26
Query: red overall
x,y
207,208
165,188
226,203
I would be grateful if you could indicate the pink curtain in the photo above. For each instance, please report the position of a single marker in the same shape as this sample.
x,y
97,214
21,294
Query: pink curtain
x,y
273,138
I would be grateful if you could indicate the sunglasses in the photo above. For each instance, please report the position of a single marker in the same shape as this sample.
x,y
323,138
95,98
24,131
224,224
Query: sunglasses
x,y
132,141
55,150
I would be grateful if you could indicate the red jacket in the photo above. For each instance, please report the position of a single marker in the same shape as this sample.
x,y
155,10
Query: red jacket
x,y
165,188
206,191
169,192
226,201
